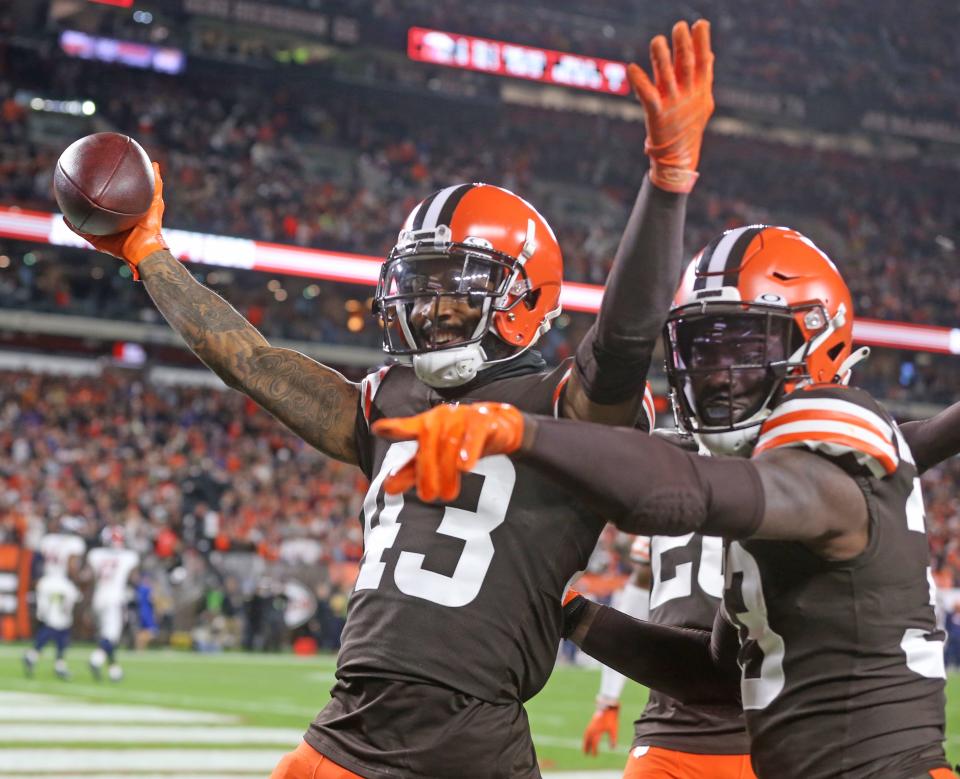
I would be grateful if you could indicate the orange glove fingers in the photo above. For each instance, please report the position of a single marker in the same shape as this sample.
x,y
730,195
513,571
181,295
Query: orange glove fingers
x,y
591,741
684,60
473,443
449,442
145,237
703,53
662,67
398,428
403,479
428,475
643,88
505,431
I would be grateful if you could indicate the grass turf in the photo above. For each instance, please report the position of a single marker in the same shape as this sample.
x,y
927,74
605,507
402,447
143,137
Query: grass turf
x,y
286,691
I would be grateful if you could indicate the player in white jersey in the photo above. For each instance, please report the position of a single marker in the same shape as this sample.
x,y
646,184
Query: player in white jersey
x,y
633,599
57,550
56,597
112,565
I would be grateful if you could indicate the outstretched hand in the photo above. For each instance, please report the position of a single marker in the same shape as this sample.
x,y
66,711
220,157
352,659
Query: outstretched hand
x,y
451,439
141,240
677,104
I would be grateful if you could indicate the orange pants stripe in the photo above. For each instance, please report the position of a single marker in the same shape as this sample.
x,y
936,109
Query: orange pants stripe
x,y
942,773
306,763
659,763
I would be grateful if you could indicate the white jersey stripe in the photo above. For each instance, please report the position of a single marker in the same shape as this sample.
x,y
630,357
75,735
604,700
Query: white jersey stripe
x,y
834,405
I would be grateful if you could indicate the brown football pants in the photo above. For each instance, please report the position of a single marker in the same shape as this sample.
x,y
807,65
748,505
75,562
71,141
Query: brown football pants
x,y
658,763
306,763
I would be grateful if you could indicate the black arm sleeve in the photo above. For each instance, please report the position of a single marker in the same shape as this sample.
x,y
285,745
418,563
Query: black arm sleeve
x,y
935,439
676,661
614,356
647,486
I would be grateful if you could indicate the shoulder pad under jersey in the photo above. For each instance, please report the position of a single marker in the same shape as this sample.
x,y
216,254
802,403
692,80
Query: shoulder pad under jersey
x,y
368,389
836,421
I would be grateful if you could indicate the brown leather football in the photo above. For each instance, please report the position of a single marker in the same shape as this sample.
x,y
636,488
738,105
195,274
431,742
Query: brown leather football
x,y
103,183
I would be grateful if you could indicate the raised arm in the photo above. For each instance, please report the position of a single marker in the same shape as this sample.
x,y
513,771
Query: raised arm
x,y
614,357
314,401
935,439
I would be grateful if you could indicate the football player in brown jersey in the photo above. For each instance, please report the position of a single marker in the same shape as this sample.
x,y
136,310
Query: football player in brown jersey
x,y
455,619
828,598
676,580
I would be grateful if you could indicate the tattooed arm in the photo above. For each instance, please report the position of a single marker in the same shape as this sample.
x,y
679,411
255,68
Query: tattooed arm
x,y
314,401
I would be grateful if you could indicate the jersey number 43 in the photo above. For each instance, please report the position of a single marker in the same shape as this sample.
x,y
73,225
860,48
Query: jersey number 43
x,y
473,527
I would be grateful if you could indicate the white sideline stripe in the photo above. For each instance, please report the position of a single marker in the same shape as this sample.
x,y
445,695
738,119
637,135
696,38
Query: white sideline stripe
x,y
223,658
25,706
173,761
554,775
148,734
140,697
218,775
75,711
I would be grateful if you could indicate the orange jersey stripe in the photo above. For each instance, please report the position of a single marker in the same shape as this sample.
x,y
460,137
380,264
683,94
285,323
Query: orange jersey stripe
x,y
854,444
814,415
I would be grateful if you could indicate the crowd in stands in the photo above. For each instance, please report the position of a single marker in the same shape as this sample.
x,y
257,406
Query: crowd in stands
x,y
882,54
240,160
224,506
195,477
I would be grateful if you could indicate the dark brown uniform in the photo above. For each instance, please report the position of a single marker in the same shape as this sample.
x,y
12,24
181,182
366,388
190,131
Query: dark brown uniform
x,y
455,618
686,589
842,661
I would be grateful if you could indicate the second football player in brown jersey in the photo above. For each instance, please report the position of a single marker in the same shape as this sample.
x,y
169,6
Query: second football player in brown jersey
x,y
828,601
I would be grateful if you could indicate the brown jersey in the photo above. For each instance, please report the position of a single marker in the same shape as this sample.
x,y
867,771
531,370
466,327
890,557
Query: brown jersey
x,y
685,592
455,617
842,661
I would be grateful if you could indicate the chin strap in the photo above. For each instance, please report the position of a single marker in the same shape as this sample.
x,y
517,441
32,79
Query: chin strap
x,y
449,367
856,356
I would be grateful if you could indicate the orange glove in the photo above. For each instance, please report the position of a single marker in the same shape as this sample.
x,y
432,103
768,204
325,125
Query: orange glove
x,y
451,439
606,719
141,240
679,104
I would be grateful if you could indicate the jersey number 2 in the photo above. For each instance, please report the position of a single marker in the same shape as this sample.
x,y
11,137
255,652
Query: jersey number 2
x,y
474,528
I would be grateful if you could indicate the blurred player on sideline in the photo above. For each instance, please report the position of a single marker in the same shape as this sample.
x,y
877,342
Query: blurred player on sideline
x,y
676,581
61,551
632,599
111,565
56,598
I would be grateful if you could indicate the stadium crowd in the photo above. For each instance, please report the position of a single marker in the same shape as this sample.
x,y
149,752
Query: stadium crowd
x,y
880,55
238,164
223,505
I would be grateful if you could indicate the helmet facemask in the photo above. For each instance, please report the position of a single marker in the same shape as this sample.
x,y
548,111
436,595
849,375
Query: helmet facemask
x,y
729,363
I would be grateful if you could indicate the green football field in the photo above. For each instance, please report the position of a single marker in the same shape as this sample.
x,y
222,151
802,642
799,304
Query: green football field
x,y
255,705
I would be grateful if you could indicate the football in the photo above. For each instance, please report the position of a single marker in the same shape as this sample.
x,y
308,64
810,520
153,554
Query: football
x,y
103,183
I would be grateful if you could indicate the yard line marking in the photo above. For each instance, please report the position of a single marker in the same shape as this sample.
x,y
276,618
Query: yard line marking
x,y
173,761
25,707
147,734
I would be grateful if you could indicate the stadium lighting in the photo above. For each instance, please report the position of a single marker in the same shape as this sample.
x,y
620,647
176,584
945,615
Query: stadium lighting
x,y
246,254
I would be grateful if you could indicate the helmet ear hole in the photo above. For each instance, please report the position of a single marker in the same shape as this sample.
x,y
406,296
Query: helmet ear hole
x,y
531,298
834,351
